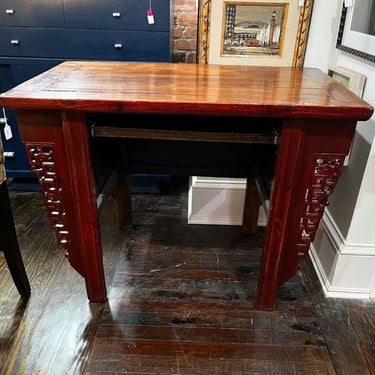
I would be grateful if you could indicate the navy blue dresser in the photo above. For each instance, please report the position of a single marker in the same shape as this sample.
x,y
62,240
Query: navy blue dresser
x,y
36,35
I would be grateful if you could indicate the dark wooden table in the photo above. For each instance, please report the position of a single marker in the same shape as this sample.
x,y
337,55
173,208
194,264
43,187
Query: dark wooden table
x,y
314,115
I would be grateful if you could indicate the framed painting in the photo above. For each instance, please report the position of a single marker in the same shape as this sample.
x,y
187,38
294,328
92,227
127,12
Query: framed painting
x,y
257,32
356,34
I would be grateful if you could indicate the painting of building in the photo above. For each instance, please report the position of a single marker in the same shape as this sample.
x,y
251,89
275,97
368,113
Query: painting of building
x,y
253,29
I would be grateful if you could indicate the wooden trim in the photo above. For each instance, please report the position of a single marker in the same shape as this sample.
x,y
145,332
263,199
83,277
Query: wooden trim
x,y
117,132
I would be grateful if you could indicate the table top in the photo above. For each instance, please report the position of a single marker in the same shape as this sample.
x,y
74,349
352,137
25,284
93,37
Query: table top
x,y
188,89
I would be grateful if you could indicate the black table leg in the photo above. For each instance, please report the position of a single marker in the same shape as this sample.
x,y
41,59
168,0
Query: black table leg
x,y
9,244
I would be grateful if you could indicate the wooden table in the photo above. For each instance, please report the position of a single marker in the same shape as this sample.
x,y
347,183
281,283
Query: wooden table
x,y
316,118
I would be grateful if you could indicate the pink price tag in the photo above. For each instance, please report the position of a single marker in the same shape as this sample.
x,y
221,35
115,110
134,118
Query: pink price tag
x,y
150,17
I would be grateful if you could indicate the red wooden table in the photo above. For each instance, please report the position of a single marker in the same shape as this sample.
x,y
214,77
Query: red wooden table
x,y
316,117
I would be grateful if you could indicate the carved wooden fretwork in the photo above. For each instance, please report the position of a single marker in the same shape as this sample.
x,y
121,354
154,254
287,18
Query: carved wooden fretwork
x,y
41,159
325,175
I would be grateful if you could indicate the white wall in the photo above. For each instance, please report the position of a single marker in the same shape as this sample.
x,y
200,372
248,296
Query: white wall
x,y
323,33
321,49
344,250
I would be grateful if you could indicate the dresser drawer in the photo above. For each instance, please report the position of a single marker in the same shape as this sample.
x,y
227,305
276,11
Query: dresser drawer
x,y
38,34
40,13
23,42
116,14
13,72
118,45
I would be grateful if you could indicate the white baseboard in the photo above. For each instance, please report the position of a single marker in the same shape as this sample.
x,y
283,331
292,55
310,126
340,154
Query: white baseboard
x,y
224,220
218,201
332,291
344,270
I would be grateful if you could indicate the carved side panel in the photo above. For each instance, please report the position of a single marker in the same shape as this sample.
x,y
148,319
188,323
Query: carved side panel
x,y
325,174
42,162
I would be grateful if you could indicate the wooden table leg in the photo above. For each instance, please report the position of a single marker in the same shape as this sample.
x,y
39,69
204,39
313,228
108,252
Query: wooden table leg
x,y
59,152
251,208
310,159
123,193
82,186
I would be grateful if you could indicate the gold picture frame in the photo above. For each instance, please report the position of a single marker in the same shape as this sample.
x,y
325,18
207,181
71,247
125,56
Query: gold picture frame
x,y
294,42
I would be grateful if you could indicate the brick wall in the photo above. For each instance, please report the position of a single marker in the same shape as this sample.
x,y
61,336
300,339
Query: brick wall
x,y
185,25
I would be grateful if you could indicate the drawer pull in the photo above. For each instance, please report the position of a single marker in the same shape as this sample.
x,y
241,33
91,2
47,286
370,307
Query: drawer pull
x,y
116,14
15,42
118,45
9,154
10,11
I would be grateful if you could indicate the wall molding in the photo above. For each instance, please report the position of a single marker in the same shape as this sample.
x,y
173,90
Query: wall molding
x,y
344,270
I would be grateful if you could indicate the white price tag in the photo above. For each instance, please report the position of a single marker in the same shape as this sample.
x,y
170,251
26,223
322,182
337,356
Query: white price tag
x,y
7,129
8,132
348,3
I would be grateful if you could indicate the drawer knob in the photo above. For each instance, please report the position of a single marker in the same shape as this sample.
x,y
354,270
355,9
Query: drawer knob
x,y
15,42
116,14
10,11
118,45
9,154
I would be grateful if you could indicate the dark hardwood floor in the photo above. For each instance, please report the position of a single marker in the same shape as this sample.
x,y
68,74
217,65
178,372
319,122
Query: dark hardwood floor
x,y
181,301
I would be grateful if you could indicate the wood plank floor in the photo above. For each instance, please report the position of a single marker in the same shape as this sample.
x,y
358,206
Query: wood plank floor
x,y
181,301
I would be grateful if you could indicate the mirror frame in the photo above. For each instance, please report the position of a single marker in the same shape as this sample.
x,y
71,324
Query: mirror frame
x,y
301,38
